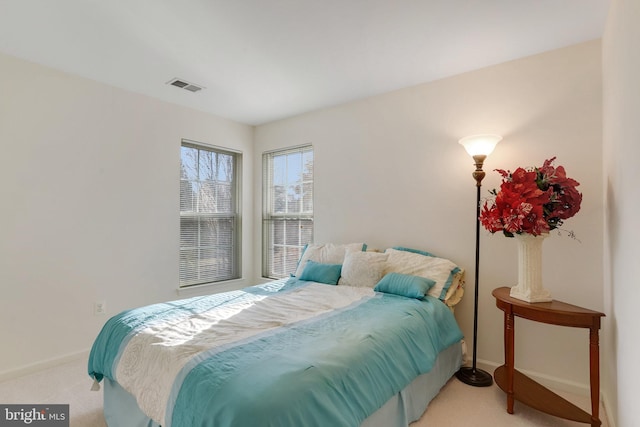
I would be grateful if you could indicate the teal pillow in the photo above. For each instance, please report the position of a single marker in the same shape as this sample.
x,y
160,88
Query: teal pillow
x,y
404,285
414,251
322,273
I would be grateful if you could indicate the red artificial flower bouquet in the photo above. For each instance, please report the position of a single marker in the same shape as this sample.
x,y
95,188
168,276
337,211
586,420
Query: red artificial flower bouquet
x,y
532,201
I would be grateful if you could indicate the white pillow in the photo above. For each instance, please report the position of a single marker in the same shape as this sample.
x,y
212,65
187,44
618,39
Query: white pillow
x,y
456,290
441,270
326,253
363,269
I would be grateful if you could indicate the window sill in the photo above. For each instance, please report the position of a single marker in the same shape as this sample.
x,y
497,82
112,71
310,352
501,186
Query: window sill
x,y
213,288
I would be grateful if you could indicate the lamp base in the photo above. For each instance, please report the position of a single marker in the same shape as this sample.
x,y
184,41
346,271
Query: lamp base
x,y
475,377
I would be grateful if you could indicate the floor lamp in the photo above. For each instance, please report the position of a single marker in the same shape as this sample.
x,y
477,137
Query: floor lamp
x,y
478,147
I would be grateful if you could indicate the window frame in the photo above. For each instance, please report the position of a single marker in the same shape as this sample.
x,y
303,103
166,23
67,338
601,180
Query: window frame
x,y
268,216
234,216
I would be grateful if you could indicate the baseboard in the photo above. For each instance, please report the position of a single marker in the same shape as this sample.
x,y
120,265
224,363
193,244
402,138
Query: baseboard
x,y
546,380
39,366
609,410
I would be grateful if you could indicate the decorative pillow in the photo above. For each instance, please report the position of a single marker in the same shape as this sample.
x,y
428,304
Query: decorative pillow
x,y
441,270
405,285
363,269
326,253
322,273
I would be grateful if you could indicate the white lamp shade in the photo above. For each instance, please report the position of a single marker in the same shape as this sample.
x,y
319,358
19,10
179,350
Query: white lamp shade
x,y
480,144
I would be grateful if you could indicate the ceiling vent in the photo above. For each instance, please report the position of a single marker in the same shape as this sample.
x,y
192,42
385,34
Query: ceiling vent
x,y
182,84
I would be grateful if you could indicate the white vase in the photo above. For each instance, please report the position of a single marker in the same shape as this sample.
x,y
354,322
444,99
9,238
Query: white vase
x,y
529,286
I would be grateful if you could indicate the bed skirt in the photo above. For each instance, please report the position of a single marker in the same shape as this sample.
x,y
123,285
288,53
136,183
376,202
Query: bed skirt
x,y
121,410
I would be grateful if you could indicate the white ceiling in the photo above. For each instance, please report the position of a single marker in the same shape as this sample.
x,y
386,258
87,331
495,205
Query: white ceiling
x,y
262,60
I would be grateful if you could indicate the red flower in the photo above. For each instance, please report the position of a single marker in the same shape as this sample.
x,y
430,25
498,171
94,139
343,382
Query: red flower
x,y
532,201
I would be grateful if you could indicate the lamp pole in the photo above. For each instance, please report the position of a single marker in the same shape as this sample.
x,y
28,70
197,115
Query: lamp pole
x,y
479,147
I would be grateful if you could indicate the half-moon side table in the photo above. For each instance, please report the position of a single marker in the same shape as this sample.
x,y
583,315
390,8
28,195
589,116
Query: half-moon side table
x,y
522,388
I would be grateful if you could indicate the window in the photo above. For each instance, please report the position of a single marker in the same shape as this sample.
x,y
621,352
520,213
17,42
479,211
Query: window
x,y
209,214
287,220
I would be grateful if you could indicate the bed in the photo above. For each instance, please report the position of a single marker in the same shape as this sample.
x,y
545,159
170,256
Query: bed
x,y
353,338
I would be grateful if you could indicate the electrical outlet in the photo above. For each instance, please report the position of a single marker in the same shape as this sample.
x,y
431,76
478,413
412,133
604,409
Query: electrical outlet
x,y
99,308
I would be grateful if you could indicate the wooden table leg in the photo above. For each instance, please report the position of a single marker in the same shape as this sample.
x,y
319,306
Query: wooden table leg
x,y
594,376
509,333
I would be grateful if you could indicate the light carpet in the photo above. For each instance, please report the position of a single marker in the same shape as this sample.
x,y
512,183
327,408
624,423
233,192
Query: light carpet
x,y
457,404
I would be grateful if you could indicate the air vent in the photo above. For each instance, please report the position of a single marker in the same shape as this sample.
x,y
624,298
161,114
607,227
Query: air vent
x,y
182,84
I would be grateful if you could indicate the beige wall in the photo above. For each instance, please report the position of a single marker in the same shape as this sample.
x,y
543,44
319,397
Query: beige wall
x,y
389,171
89,180
621,64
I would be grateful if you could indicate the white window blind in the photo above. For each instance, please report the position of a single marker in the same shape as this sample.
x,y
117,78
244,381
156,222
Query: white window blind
x,y
209,215
287,208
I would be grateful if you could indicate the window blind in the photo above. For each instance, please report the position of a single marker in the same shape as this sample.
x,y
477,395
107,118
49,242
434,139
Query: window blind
x,y
209,215
287,208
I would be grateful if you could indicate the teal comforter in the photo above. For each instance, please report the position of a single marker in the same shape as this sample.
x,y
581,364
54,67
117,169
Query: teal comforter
x,y
333,366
